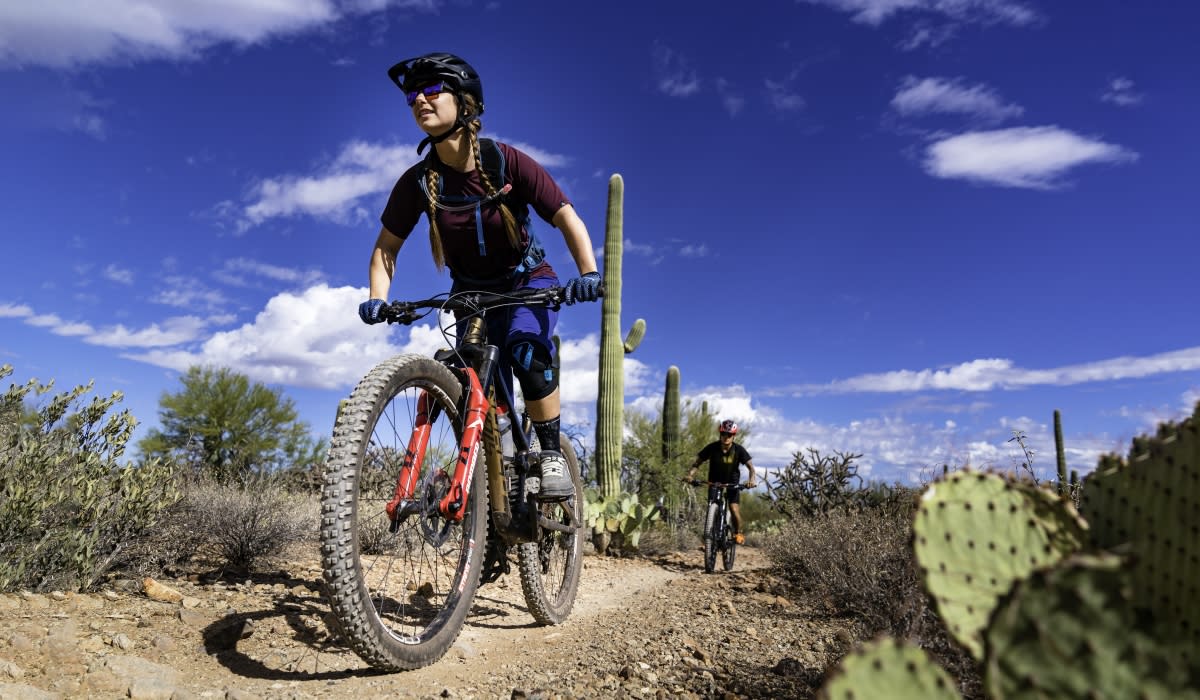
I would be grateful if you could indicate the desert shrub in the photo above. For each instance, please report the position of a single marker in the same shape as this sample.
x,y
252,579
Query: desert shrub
x,y
242,525
70,511
856,562
666,537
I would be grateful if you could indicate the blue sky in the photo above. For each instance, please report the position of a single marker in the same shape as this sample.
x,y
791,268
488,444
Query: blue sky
x,y
901,228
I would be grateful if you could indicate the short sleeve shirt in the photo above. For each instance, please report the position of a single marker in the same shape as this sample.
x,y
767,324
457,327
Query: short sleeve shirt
x,y
466,255
723,467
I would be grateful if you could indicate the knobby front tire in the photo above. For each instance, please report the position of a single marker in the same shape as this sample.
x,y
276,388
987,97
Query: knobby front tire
x,y
550,567
730,550
712,535
400,598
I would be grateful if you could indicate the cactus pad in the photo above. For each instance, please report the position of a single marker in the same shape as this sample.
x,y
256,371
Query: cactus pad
x,y
1150,507
977,533
886,668
1069,632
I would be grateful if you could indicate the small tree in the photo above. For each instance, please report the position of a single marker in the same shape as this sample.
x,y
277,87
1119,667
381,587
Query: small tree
x,y
222,424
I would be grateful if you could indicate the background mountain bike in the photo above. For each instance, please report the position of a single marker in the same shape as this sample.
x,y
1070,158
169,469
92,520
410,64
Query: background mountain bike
x,y
421,501
718,535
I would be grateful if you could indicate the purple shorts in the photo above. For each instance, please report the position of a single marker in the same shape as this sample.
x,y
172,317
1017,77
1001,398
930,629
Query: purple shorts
x,y
515,324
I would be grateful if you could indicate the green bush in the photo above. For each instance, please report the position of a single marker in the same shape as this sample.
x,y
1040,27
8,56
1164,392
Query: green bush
x,y
70,512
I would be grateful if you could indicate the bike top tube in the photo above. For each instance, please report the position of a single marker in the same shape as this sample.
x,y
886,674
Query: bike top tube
x,y
468,304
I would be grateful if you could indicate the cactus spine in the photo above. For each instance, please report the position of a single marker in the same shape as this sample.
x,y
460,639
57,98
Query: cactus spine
x,y
670,436
610,402
1063,487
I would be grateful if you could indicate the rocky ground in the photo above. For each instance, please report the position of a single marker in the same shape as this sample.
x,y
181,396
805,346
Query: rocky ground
x,y
642,627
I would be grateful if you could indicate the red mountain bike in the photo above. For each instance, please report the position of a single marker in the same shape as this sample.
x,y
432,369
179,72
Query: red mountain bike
x,y
425,495
718,535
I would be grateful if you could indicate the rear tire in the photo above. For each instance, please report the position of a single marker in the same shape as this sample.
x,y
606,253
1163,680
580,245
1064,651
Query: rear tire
x,y
400,598
712,535
550,567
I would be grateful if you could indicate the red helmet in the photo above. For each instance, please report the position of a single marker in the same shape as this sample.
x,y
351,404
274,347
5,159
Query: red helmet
x,y
727,426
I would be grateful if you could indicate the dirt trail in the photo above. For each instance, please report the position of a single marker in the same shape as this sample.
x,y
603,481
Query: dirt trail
x,y
640,627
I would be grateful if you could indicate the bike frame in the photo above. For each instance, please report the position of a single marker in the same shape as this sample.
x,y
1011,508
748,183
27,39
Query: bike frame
x,y
480,376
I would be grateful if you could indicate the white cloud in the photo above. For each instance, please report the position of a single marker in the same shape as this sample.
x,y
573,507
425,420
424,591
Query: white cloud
x,y
312,338
694,251
1031,157
173,331
992,374
730,99
918,97
361,169
544,158
875,12
50,34
1120,92
186,292
337,190
674,75
91,124
235,271
118,274
15,311
782,97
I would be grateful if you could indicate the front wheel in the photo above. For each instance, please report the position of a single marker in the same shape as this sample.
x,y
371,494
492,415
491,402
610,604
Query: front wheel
x,y
730,550
712,537
550,566
400,591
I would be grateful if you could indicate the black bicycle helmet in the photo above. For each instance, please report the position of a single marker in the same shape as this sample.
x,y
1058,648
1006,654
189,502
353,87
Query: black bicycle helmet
x,y
457,74
728,426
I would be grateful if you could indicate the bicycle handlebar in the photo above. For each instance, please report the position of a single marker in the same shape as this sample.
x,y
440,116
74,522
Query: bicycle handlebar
x,y
407,312
740,487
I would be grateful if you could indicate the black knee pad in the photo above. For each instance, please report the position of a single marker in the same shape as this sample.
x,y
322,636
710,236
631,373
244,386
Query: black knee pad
x,y
535,369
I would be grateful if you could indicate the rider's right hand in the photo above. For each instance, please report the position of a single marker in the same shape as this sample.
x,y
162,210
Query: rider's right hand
x,y
369,310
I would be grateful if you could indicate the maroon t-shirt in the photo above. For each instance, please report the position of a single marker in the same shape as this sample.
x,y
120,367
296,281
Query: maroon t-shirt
x,y
532,186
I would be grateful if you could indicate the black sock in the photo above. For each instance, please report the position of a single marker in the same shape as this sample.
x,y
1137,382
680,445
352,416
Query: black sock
x,y
547,433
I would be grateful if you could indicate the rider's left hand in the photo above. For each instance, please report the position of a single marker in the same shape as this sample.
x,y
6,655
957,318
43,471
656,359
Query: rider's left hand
x,y
583,288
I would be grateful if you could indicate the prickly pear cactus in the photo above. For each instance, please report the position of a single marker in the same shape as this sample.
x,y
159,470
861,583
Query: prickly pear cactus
x,y
977,533
1070,632
887,668
1150,506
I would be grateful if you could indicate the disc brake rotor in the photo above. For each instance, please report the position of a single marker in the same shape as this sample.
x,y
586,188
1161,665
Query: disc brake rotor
x,y
435,527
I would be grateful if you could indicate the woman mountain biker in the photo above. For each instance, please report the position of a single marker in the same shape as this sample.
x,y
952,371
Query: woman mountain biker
x,y
724,458
478,228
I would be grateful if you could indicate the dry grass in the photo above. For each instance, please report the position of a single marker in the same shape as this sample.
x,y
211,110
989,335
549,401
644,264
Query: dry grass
x,y
857,563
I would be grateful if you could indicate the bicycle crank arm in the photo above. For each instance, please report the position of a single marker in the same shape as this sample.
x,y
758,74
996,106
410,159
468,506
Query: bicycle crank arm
x,y
549,524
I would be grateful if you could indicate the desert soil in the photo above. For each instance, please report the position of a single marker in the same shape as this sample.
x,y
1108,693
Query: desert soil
x,y
641,627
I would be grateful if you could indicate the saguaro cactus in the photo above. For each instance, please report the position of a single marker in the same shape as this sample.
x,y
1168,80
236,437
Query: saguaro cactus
x,y
670,434
610,402
1063,486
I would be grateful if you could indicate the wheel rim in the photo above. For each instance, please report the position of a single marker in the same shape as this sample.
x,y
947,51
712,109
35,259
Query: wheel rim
x,y
410,569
